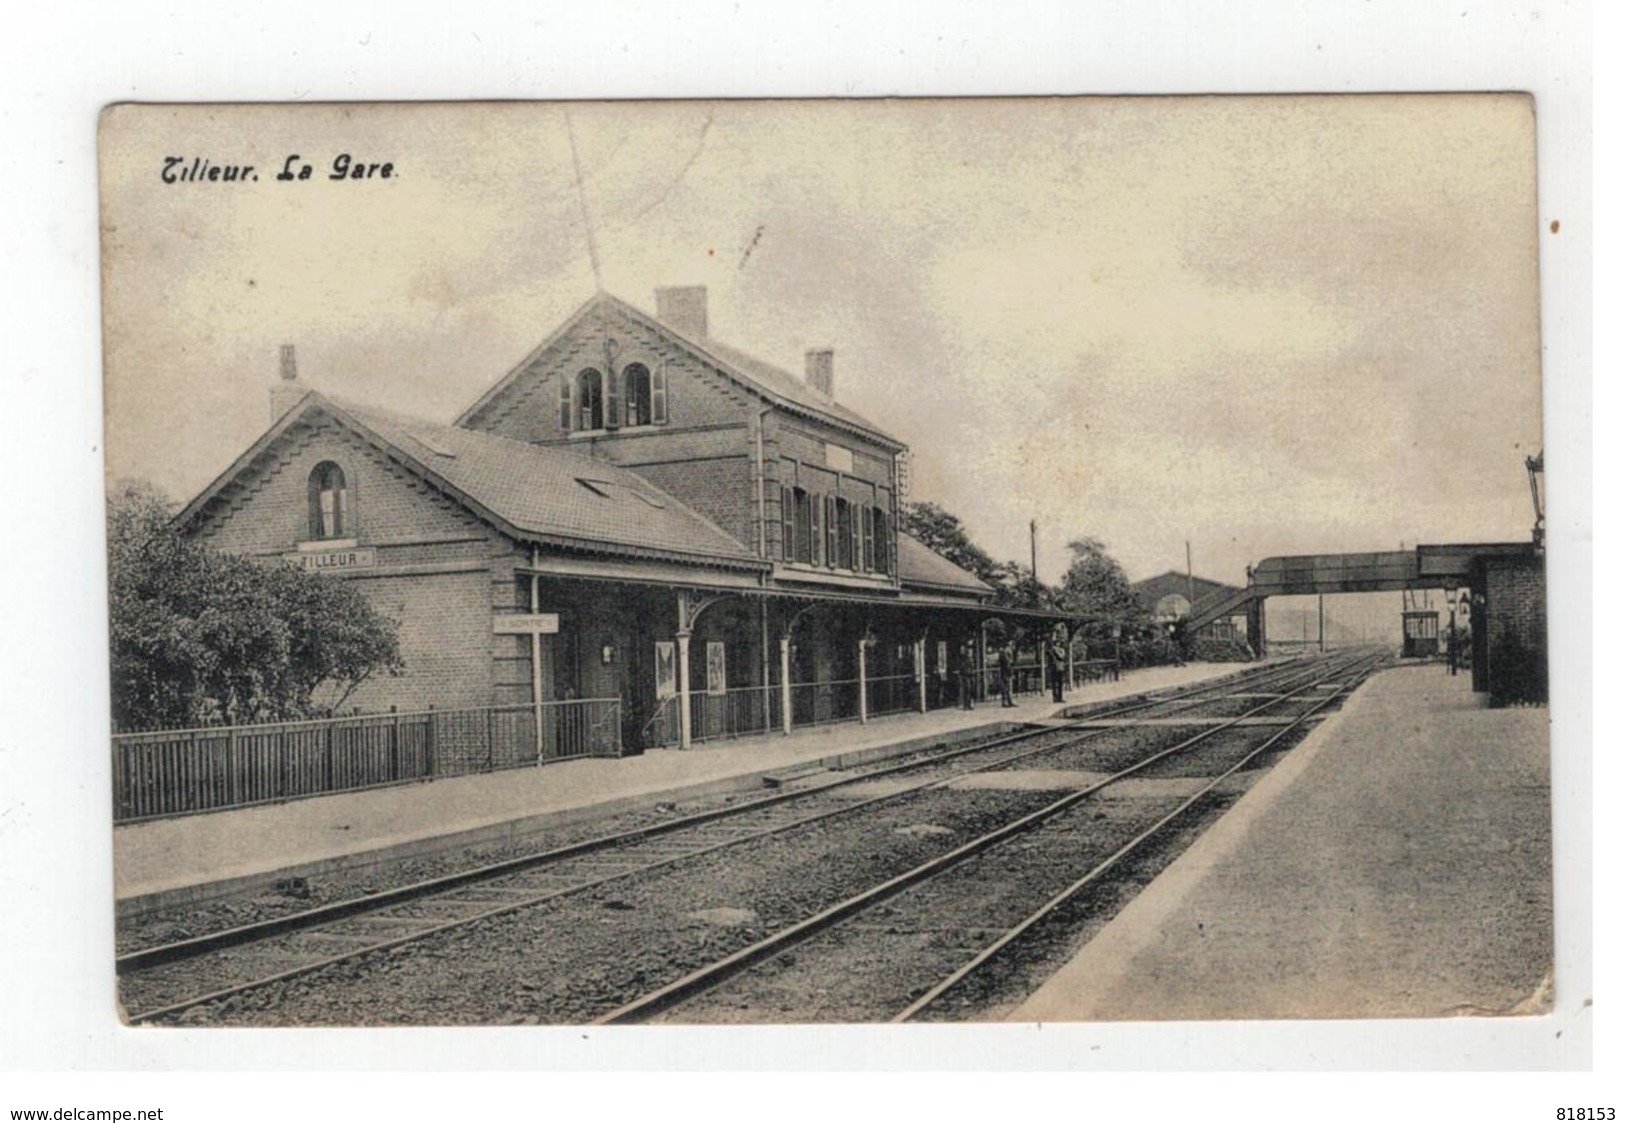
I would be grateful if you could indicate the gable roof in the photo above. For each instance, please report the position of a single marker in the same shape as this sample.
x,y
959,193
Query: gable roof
x,y
530,492
774,383
918,564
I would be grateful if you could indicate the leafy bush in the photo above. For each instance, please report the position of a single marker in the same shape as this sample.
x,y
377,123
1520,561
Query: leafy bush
x,y
202,638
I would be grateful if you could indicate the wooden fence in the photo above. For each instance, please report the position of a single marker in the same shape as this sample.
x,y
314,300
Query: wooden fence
x,y
178,771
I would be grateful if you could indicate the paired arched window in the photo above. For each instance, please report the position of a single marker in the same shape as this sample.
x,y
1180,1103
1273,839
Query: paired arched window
x,y
590,400
330,515
635,397
639,396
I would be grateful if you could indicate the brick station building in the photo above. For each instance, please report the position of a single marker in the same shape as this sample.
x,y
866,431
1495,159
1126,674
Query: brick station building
x,y
635,512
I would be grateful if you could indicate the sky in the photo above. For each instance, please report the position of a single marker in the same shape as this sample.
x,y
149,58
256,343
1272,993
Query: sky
x,y
1257,325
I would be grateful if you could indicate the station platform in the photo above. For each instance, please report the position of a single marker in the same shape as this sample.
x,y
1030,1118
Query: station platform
x,y
1396,863
192,858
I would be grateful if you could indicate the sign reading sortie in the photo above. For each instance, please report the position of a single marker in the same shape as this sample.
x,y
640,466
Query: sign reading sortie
x,y
361,557
538,623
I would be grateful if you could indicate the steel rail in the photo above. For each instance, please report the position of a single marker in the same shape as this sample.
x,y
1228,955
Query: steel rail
x,y
706,978
420,891
1049,907
193,947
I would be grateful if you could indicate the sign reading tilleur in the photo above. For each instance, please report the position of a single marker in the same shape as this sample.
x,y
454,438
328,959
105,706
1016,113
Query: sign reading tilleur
x,y
361,557
531,623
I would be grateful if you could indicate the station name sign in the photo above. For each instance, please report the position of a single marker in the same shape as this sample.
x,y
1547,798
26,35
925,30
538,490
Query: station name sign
x,y
360,557
532,623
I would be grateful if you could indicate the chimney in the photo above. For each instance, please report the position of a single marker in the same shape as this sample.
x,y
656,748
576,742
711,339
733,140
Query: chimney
x,y
682,308
288,389
821,371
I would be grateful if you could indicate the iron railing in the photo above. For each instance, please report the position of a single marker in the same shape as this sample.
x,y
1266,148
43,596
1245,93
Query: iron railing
x,y
893,694
179,771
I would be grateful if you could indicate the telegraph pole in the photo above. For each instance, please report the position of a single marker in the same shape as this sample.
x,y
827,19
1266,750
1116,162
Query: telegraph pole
x,y
1032,534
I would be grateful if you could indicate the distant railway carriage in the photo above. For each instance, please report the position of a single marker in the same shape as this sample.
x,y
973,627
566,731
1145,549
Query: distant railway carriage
x,y
1420,635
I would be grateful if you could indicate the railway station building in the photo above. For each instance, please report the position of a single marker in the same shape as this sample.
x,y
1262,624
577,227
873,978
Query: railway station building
x,y
637,512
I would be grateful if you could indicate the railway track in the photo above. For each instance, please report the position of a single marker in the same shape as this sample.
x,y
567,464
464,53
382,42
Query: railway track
x,y
252,957
890,948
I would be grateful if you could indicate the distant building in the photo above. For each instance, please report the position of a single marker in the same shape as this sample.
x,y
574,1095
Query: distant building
x,y
1168,597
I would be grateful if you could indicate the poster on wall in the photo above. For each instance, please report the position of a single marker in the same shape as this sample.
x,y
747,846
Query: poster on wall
x,y
942,659
665,671
716,667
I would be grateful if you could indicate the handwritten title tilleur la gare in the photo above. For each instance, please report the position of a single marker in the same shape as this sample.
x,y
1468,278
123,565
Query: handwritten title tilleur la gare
x,y
295,169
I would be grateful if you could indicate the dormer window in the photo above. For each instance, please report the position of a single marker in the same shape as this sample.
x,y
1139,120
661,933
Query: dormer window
x,y
330,515
589,400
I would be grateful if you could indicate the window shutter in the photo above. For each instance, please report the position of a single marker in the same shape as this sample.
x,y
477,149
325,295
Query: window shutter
x,y
787,510
657,407
868,539
564,403
612,395
832,533
817,504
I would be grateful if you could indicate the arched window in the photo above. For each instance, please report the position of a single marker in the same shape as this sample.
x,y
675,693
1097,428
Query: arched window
x,y
589,400
639,395
329,502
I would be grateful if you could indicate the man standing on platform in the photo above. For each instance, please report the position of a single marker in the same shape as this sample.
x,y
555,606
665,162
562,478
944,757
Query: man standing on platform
x,y
1004,675
1057,669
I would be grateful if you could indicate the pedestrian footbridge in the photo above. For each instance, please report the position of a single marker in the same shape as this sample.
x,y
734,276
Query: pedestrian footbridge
x,y
1445,567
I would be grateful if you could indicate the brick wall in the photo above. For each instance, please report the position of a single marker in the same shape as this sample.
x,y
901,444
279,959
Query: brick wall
x,y
723,490
266,509
696,394
706,453
1515,616
802,461
439,571
446,641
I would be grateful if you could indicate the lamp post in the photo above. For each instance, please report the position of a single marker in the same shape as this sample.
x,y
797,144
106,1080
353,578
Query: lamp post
x,y
1536,467
1450,642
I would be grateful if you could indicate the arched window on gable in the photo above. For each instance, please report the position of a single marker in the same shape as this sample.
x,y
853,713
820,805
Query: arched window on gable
x,y
589,400
330,515
639,397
